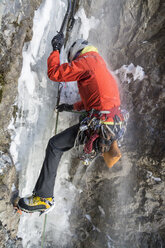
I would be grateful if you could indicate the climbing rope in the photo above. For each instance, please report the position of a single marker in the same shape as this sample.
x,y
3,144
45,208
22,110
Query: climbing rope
x,y
43,232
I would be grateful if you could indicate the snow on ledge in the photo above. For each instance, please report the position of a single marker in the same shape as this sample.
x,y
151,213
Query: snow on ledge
x,y
129,73
87,23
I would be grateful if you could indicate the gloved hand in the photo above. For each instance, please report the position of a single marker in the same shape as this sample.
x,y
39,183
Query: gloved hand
x,y
64,107
58,41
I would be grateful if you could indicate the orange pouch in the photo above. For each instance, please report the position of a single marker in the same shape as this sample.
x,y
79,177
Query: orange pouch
x,y
113,155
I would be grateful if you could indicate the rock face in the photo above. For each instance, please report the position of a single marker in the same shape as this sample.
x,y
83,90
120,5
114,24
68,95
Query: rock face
x,y
8,219
123,206
136,34
16,20
16,28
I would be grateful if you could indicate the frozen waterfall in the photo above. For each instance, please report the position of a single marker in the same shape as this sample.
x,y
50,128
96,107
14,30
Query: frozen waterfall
x,y
95,206
35,122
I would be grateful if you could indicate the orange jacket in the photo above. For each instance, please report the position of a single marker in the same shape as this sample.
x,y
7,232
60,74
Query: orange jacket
x,y
97,87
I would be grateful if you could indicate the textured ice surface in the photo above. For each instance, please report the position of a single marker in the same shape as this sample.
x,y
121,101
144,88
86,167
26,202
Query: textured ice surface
x,y
35,123
87,23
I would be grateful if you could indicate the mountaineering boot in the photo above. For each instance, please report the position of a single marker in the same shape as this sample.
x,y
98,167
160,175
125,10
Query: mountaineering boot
x,y
36,204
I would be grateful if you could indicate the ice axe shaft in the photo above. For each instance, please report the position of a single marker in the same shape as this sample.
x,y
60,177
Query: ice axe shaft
x,y
66,17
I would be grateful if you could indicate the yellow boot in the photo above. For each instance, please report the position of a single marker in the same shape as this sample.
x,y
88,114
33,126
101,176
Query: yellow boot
x,y
35,204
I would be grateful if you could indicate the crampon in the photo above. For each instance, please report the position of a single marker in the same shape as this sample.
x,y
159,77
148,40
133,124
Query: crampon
x,y
20,206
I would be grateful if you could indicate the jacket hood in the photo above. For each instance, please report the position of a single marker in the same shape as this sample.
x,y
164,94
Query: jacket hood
x,y
89,49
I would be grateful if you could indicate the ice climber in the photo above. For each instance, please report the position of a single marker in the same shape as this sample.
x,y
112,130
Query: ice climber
x,y
99,97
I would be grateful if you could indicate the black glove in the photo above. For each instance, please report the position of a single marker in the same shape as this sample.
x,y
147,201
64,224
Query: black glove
x,y
58,41
65,107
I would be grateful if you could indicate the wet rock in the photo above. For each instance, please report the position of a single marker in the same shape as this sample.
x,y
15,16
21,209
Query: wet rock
x,y
8,179
16,29
132,194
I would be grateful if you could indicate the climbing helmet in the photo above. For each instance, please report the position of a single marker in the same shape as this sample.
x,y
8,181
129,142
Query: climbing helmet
x,y
76,49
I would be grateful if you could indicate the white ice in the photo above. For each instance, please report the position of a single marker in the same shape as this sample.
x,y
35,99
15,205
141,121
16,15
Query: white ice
x,y
87,23
35,123
4,162
129,73
156,179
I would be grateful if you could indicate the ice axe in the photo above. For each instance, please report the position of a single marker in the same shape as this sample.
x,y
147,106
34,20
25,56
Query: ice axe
x,y
63,26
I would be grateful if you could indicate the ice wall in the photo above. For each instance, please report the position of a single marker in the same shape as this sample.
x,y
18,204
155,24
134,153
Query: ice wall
x,y
111,207
35,121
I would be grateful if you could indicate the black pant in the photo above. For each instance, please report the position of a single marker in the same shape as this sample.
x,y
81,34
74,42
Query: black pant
x,y
57,145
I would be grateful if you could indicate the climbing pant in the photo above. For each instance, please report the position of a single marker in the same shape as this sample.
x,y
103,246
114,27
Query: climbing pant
x,y
57,145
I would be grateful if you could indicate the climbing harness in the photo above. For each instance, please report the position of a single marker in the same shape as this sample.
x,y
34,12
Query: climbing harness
x,y
95,135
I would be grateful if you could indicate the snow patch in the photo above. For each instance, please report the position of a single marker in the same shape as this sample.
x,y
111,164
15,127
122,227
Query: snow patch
x,y
13,188
156,179
129,73
101,210
87,23
4,162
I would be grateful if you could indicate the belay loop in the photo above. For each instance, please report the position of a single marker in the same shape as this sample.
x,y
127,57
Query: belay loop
x,y
95,136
